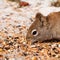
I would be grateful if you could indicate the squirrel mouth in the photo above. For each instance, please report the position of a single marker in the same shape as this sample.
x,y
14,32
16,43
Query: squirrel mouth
x,y
43,40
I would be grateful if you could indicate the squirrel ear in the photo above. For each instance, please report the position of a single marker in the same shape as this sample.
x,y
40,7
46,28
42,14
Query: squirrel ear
x,y
38,15
41,18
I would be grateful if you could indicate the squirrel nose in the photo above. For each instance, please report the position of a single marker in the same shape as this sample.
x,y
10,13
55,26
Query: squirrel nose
x,y
27,37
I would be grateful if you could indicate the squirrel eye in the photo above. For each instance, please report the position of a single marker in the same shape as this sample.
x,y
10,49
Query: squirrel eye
x,y
34,32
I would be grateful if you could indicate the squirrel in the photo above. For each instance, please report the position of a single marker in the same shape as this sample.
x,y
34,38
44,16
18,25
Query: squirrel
x,y
44,27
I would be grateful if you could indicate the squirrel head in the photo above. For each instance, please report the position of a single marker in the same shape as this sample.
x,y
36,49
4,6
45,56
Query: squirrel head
x,y
39,29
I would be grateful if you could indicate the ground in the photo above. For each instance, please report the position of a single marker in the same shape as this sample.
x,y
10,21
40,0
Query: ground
x,y
14,24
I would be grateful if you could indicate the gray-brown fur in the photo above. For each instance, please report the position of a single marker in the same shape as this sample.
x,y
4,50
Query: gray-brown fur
x,y
48,27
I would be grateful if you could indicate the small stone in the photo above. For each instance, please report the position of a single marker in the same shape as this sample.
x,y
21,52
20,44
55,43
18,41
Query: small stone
x,y
53,55
54,45
24,42
54,48
4,43
12,59
18,26
34,58
16,38
6,58
1,57
1,49
10,43
59,45
33,46
7,47
25,54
